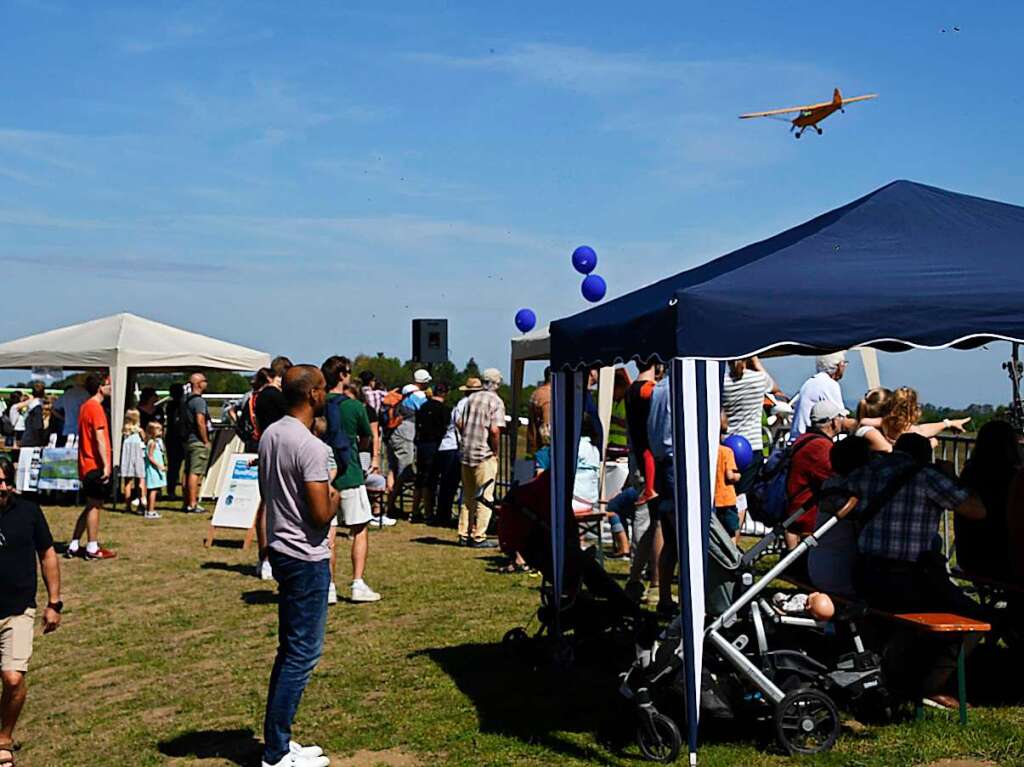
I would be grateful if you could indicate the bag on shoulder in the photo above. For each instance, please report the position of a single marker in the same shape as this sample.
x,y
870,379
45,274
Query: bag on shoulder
x,y
245,423
390,415
6,426
335,436
768,498
186,418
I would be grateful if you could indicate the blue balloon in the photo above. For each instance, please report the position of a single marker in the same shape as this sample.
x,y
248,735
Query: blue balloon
x,y
526,320
584,259
740,447
593,288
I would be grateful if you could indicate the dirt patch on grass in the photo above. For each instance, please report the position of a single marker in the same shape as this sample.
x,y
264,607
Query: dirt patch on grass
x,y
392,757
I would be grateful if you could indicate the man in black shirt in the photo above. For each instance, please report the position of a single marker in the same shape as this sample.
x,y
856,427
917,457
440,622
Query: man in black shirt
x,y
24,536
431,423
175,446
270,407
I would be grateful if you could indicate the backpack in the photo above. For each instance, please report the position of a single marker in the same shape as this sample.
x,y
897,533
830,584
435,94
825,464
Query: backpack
x,y
6,426
186,418
245,423
335,437
390,416
767,498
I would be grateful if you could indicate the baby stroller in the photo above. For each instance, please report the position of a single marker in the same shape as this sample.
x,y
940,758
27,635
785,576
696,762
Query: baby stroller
x,y
592,605
794,691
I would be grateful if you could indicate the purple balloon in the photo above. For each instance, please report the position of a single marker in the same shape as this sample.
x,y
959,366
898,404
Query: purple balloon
x,y
526,320
584,259
593,288
740,447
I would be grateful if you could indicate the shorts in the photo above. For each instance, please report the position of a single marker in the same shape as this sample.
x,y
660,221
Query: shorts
x,y
355,507
376,483
729,517
16,641
95,487
401,457
197,458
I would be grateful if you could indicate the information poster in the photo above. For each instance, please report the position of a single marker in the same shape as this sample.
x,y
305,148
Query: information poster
x,y
239,495
27,476
58,469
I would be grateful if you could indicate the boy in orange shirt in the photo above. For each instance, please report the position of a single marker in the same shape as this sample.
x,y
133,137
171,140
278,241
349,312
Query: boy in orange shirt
x,y
726,477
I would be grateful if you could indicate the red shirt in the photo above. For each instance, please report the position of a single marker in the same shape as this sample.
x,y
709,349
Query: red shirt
x,y
90,418
810,467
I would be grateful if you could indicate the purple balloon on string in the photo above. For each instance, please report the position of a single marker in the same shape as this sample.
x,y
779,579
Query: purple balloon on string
x,y
584,259
526,320
593,288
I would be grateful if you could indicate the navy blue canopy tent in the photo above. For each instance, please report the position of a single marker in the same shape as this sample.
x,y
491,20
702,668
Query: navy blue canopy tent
x,y
906,266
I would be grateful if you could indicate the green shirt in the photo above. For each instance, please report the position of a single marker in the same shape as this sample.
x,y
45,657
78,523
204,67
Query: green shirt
x,y
357,426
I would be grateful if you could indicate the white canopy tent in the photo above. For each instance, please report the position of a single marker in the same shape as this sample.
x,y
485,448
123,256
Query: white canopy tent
x,y
124,343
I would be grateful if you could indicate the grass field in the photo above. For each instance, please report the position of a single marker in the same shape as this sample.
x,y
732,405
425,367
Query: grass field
x,y
164,654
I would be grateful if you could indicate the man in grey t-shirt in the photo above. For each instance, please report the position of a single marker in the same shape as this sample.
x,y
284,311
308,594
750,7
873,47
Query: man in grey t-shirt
x,y
196,415
293,485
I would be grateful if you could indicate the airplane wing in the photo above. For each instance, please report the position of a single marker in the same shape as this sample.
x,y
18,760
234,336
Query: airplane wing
x,y
788,110
860,98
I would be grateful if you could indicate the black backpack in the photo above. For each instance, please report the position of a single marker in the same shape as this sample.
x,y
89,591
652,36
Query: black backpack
x,y
245,423
186,418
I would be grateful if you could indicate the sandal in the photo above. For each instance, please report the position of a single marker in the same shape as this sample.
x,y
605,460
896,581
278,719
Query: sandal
x,y
7,753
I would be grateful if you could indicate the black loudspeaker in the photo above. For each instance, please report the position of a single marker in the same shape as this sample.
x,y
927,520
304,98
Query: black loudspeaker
x,y
430,341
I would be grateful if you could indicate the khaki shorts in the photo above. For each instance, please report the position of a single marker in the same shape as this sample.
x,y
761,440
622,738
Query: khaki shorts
x,y
197,458
16,641
355,507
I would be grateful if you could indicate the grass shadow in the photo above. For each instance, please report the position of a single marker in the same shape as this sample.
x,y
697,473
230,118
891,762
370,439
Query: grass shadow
x,y
433,540
533,707
225,567
238,746
259,597
226,543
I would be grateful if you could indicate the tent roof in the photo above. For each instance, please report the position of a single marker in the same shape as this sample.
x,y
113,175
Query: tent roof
x,y
905,266
535,345
129,341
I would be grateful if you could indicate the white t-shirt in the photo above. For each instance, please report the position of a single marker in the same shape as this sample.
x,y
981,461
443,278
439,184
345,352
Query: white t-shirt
x,y
588,472
743,401
817,388
451,437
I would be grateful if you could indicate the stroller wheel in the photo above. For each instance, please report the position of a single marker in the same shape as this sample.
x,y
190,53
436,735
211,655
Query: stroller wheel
x,y
806,722
515,642
659,739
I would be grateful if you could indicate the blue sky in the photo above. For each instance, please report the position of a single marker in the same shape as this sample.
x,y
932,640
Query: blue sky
x,y
306,178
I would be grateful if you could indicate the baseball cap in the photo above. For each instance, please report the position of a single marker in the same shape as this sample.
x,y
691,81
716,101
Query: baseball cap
x,y
829,363
409,389
421,376
492,375
825,411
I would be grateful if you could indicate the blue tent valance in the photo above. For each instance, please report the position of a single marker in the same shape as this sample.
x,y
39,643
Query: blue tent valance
x,y
907,265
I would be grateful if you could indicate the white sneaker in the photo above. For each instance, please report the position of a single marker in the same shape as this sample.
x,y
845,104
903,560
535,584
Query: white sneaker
x,y
152,514
136,502
363,593
291,760
304,752
332,599
384,521
266,572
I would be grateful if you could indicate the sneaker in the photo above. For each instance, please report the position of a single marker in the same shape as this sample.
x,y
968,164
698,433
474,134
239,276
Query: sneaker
x,y
152,514
136,502
291,760
70,553
484,544
384,521
332,599
194,510
265,571
100,553
305,752
463,541
363,593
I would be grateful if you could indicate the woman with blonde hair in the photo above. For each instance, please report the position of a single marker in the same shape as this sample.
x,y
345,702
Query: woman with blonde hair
x,y
133,461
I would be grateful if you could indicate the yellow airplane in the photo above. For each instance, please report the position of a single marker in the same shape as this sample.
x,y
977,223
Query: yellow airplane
x,y
809,116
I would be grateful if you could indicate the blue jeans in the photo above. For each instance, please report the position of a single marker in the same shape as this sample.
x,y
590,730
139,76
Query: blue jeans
x,y
302,616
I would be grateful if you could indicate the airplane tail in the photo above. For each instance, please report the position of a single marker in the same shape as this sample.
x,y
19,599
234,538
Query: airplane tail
x,y
837,97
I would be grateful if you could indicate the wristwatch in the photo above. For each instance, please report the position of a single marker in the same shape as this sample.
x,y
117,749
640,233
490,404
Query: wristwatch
x,y
57,607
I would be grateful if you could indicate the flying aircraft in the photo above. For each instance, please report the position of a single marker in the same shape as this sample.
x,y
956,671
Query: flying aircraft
x,y
809,116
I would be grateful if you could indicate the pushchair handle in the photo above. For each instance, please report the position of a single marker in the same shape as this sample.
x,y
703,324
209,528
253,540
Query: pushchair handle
x,y
849,506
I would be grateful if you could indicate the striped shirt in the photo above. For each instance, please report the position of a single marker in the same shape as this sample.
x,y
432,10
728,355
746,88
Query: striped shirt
x,y
743,401
484,410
